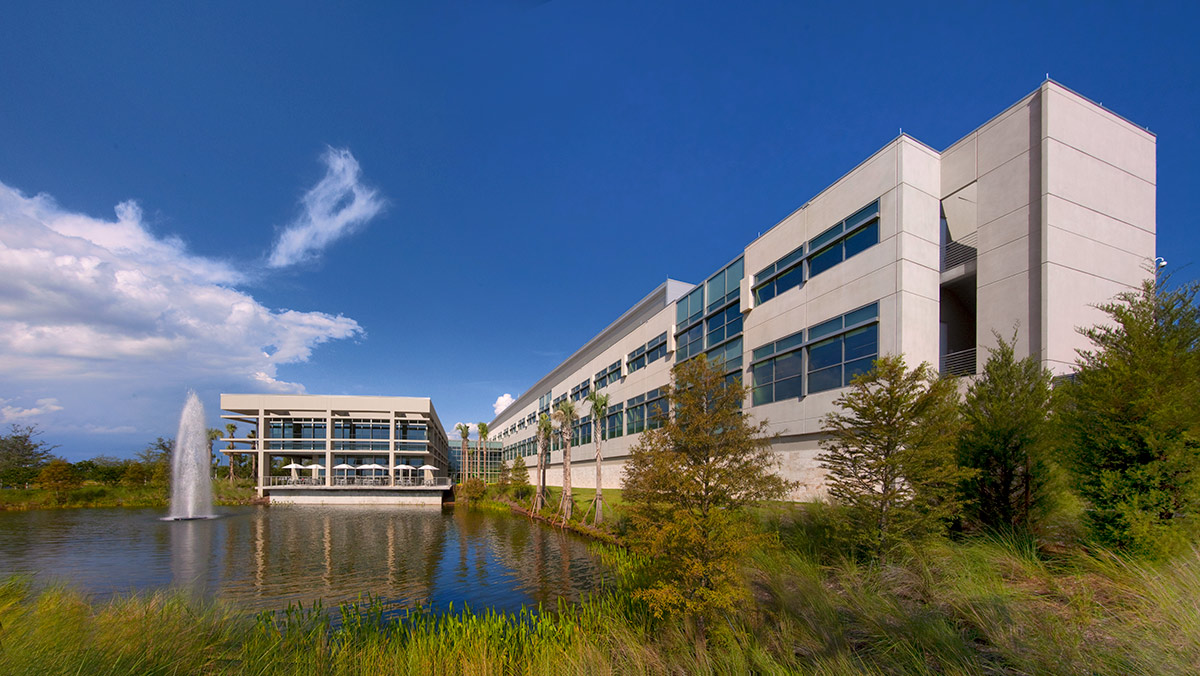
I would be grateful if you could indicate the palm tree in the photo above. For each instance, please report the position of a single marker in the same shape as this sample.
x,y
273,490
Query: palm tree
x,y
599,407
545,430
481,456
230,430
565,415
465,431
213,435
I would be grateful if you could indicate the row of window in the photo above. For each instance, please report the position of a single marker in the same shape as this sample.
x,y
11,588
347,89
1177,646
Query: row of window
x,y
580,391
609,375
648,354
840,242
646,411
835,351
315,428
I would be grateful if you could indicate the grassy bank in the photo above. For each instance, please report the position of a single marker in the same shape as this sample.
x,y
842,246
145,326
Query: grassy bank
x,y
983,606
97,495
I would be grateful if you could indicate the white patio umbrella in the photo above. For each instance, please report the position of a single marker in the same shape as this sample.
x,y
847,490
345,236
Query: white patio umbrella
x,y
315,467
373,466
343,467
429,470
294,466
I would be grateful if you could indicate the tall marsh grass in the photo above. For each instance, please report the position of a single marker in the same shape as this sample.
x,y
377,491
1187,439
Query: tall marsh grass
x,y
983,606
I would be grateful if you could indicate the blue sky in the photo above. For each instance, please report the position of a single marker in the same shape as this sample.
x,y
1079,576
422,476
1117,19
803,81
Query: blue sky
x,y
512,175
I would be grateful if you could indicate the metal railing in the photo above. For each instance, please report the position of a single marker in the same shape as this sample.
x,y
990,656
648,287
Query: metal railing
x,y
380,481
959,251
961,363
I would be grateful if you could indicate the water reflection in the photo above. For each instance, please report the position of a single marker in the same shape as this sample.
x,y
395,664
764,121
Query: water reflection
x,y
265,558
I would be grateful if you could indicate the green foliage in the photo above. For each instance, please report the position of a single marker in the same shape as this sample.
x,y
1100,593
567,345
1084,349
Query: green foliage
x,y
156,460
22,455
472,489
136,474
687,486
1005,439
504,477
58,477
1130,421
890,455
520,479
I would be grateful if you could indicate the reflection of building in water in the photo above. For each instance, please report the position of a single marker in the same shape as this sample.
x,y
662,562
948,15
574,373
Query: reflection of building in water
x,y
342,449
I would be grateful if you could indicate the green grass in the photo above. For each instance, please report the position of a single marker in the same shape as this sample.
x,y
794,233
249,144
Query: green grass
x,y
97,495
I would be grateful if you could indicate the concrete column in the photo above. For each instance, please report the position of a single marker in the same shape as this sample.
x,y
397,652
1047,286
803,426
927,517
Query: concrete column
x,y
258,450
392,450
329,448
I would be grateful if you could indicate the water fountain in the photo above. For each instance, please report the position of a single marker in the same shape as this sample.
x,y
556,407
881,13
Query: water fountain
x,y
191,483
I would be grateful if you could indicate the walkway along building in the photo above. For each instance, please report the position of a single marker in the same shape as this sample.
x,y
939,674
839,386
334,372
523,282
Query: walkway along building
x,y
314,449
1026,222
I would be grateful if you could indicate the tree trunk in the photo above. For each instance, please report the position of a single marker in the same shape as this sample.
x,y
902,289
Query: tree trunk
x,y
567,502
539,497
598,501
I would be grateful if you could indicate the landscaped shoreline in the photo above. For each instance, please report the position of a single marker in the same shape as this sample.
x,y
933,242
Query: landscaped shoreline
x,y
94,495
981,605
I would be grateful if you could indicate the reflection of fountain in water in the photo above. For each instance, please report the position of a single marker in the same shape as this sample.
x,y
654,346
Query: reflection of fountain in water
x,y
191,485
191,549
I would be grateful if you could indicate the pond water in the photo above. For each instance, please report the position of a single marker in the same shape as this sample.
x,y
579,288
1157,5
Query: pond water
x,y
265,558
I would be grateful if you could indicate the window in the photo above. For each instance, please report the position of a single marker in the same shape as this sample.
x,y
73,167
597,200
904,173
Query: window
x,y
613,426
581,431
637,359
689,343
581,390
840,242
690,308
656,408
609,375
835,352
844,240
723,287
781,376
730,353
724,324
656,349
635,414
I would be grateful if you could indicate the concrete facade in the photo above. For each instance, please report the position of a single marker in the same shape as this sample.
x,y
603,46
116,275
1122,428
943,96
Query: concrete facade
x,y
323,433
1023,224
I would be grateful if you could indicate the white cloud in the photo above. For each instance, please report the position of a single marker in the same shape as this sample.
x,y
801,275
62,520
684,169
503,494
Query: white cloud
x,y
116,322
42,407
502,402
333,208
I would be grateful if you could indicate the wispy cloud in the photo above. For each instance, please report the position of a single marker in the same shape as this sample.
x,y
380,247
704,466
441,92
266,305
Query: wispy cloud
x,y
108,321
335,207
502,402
41,408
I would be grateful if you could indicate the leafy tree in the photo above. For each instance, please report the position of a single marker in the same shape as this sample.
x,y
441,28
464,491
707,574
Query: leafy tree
x,y
520,478
687,486
890,455
1005,433
464,431
472,489
22,455
545,431
598,404
565,415
59,477
213,434
102,468
136,474
156,457
504,476
1130,420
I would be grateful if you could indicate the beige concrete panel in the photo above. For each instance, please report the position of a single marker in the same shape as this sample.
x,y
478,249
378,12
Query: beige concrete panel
x,y
920,168
919,331
1084,180
790,233
1004,189
865,264
857,189
889,321
1088,256
1006,137
962,212
920,214
1098,227
889,223
842,298
920,280
1004,261
1000,306
1071,299
1004,230
920,251
1091,129
959,165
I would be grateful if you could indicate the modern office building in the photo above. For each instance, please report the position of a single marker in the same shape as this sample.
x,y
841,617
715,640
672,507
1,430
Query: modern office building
x,y
490,458
1025,224
316,449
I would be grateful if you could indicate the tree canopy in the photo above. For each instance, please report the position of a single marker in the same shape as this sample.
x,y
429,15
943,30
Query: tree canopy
x,y
686,487
22,455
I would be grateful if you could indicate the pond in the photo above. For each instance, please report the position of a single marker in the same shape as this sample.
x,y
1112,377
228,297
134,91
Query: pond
x,y
265,558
